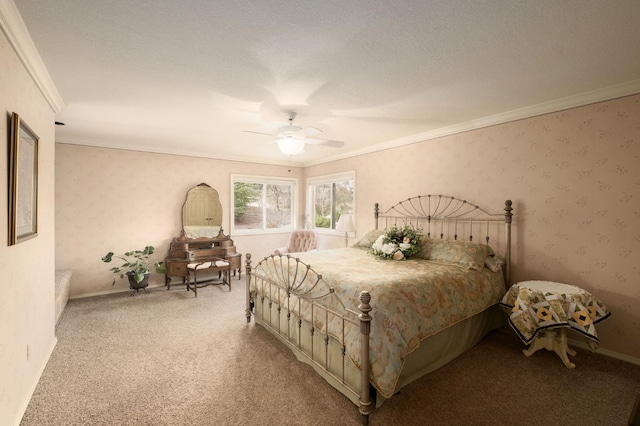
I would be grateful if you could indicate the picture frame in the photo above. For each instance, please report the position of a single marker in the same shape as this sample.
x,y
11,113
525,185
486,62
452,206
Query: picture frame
x,y
23,182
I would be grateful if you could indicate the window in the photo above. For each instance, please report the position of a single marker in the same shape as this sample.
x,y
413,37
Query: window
x,y
262,204
328,197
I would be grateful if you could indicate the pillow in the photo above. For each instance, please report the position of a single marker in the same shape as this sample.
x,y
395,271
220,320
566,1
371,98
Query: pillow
x,y
466,253
369,238
494,263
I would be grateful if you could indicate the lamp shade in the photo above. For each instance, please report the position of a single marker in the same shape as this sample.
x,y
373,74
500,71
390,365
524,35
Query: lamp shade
x,y
291,146
345,223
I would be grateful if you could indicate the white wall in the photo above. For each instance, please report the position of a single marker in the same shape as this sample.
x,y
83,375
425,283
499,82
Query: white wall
x,y
27,317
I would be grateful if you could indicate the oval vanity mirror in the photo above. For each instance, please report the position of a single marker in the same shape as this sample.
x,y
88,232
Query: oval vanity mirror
x,y
202,212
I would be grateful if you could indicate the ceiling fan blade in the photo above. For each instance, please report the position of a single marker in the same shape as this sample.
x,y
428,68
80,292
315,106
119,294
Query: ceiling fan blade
x,y
305,135
258,133
325,142
308,132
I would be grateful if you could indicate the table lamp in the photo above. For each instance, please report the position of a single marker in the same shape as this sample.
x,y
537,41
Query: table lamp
x,y
345,224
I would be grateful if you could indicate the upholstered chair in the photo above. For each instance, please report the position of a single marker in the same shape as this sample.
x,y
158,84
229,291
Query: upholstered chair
x,y
299,240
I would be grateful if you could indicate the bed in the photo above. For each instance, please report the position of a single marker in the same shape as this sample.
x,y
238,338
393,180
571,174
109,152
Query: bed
x,y
370,326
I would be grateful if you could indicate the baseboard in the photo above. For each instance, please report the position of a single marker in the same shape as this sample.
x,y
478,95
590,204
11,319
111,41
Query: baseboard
x,y
103,293
606,352
25,403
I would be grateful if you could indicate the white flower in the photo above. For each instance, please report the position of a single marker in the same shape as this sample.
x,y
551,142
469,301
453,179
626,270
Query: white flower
x,y
397,243
377,245
389,248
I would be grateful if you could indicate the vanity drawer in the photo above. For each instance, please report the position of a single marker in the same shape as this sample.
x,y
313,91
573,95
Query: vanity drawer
x,y
235,260
176,269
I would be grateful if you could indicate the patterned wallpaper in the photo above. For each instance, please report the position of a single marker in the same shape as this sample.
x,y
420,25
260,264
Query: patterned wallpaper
x,y
572,175
574,179
117,200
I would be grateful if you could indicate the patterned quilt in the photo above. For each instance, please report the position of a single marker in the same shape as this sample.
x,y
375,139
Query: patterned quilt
x,y
532,310
411,300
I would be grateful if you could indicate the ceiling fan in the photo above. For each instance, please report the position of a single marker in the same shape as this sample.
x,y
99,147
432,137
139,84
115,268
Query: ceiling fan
x,y
292,139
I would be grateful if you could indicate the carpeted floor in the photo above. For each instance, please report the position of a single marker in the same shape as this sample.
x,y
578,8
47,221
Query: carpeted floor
x,y
167,358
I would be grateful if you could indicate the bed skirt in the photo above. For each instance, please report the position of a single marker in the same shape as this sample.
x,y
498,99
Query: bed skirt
x,y
328,354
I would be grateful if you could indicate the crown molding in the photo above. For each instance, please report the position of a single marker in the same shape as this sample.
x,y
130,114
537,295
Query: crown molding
x,y
587,98
18,36
97,143
600,95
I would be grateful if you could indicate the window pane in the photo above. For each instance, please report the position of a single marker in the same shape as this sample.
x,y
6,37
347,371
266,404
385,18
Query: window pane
x,y
248,212
322,205
343,198
278,206
262,204
330,200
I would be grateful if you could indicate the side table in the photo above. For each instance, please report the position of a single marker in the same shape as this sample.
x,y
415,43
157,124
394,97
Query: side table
x,y
540,312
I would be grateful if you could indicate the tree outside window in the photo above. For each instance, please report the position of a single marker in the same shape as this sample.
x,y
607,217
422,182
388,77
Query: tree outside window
x,y
329,198
262,204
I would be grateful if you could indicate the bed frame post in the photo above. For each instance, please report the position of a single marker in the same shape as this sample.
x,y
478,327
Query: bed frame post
x,y
365,328
376,214
507,219
248,274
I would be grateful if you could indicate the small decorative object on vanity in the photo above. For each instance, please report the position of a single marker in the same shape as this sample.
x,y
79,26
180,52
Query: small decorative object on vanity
x,y
135,267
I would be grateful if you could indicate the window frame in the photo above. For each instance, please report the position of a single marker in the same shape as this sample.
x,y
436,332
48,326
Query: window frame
x,y
263,180
310,196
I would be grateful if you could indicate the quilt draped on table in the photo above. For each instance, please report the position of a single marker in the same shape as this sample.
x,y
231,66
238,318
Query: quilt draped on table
x,y
531,311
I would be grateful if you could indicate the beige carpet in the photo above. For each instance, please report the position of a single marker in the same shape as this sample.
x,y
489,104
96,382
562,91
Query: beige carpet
x,y
167,358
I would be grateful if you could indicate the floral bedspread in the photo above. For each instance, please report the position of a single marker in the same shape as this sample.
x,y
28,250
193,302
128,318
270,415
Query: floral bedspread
x,y
410,299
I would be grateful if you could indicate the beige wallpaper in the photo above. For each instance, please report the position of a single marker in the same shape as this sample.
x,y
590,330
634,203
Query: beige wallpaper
x,y
574,179
572,176
117,200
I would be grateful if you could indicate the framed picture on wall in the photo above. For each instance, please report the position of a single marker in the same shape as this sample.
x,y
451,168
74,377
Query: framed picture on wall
x,y
23,182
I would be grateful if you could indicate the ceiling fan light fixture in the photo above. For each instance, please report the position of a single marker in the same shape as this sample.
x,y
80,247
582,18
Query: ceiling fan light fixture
x,y
291,146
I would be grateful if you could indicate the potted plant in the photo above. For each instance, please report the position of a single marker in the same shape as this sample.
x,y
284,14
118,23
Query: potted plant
x,y
135,267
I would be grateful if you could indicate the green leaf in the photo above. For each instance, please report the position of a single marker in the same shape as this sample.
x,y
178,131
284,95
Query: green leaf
x,y
161,268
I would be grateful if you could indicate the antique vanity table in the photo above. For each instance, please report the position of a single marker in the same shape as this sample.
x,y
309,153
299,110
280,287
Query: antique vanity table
x,y
201,230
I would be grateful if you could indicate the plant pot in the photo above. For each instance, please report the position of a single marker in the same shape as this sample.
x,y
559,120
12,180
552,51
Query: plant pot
x,y
133,285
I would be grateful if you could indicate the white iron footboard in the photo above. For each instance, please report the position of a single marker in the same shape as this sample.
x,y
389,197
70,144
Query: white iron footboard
x,y
286,296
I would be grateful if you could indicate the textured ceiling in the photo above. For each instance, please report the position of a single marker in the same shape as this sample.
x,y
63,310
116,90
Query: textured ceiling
x,y
188,77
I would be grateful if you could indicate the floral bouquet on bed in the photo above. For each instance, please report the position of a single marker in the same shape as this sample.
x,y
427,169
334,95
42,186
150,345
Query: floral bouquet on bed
x,y
398,243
